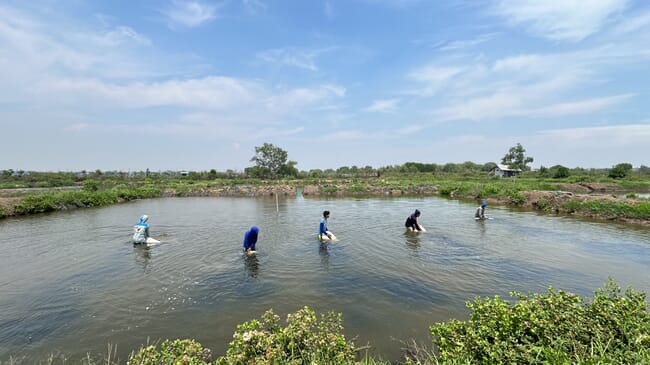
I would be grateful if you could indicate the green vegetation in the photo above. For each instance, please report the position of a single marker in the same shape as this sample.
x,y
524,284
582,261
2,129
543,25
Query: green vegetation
x,y
516,158
552,328
555,328
49,202
609,209
274,174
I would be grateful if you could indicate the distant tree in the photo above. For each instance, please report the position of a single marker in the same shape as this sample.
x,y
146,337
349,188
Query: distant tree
x,y
560,172
543,171
271,161
488,166
516,158
620,171
450,167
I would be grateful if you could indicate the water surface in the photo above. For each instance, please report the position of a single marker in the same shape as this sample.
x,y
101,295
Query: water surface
x,y
73,283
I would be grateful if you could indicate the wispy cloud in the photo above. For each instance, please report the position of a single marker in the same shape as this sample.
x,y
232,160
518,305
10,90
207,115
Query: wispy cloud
x,y
254,6
329,10
383,106
461,45
188,14
561,20
300,58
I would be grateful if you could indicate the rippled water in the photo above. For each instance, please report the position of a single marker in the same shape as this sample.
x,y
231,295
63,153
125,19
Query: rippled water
x,y
73,283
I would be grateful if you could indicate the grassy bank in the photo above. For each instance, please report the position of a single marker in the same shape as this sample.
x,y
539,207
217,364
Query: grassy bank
x,y
593,199
555,327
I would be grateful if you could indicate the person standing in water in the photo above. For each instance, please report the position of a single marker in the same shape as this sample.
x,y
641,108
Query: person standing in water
x,y
480,211
412,223
141,230
323,232
250,239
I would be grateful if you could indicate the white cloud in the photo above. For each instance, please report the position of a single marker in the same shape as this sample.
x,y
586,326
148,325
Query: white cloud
x,y
603,136
383,106
304,59
580,107
632,24
562,20
410,129
461,45
434,78
123,34
188,14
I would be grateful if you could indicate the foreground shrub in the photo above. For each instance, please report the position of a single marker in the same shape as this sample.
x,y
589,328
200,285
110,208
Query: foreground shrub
x,y
556,327
185,352
304,340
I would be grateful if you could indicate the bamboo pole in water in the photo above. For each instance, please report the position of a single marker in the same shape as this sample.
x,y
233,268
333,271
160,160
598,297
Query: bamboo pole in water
x,y
277,207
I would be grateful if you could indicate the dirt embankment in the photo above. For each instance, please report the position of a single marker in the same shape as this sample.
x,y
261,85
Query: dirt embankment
x,y
548,201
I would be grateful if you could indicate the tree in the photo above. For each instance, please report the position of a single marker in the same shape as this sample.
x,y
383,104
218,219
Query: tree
x,y
560,172
516,159
271,161
620,171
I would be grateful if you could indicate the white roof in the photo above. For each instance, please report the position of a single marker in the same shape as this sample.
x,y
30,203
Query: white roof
x,y
506,168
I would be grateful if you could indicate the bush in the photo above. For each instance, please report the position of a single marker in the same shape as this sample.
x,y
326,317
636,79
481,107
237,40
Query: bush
x,y
517,198
179,352
304,340
543,204
557,327
90,185
2,212
34,204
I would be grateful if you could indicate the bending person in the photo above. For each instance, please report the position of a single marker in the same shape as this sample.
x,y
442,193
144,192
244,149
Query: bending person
x,y
250,239
412,223
323,232
141,230
480,211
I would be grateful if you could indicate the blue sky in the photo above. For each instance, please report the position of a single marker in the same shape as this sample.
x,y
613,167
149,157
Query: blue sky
x,y
196,85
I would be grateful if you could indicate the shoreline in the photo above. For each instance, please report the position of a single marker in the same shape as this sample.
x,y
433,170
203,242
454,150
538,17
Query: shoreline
x,y
550,202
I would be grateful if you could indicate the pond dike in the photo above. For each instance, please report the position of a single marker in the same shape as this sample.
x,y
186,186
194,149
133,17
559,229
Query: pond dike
x,y
307,190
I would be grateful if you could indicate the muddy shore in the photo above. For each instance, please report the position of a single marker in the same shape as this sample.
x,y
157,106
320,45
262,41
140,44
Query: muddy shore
x,y
553,200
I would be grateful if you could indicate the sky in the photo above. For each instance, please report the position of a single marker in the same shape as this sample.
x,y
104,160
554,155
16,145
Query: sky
x,y
197,85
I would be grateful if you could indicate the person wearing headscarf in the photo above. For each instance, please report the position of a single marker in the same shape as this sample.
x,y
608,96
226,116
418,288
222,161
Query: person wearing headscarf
x,y
141,230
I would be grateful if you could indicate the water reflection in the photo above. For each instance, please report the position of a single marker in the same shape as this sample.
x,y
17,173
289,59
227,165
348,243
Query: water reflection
x,y
142,257
412,240
324,255
252,265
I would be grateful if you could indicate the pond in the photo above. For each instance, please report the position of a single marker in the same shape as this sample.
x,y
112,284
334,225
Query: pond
x,y
73,282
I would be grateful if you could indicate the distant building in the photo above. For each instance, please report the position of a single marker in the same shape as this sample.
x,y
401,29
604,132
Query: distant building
x,y
505,171
185,173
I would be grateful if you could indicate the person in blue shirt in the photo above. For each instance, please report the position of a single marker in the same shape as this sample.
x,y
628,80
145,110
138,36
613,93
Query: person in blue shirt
x,y
480,211
323,232
141,230
250,239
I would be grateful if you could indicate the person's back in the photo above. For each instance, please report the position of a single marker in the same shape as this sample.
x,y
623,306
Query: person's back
x,y
250,239
141,230
412,221
480,211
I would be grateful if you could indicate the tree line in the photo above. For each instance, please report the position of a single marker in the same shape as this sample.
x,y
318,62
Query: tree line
x,y
272,162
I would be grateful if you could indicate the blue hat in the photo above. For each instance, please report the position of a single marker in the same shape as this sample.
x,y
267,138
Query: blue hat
x,y
484,203
254,229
